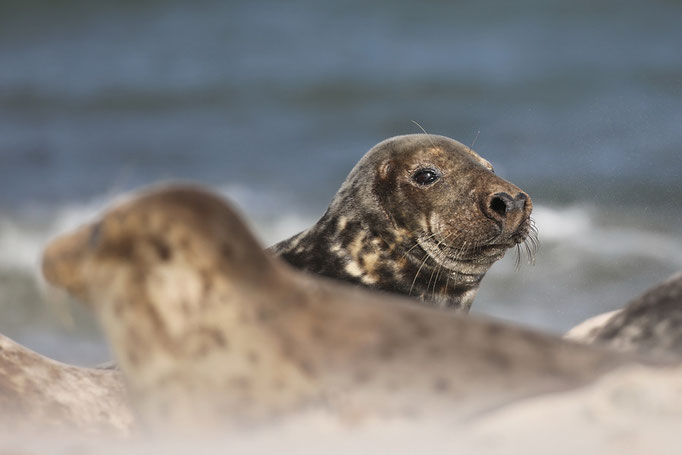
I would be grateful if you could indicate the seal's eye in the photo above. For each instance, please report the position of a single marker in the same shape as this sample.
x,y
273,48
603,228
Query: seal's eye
x,y
425,176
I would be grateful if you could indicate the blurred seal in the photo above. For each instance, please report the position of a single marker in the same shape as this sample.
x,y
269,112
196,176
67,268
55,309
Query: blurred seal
x,y
37,393
207,328
419,215
650,324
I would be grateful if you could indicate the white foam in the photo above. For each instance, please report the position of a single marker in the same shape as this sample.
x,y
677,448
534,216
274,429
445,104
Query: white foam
x,y
22,240
559,224
575,230
23,237
275,216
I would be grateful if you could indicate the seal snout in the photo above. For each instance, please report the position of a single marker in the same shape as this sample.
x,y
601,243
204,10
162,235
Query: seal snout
x,y
509,212
62,259
500,204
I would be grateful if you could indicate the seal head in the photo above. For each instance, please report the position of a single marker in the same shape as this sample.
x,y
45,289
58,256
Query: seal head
x,y
419,215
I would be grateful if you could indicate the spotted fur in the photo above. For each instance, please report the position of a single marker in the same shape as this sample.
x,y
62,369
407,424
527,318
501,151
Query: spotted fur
x,y
385,231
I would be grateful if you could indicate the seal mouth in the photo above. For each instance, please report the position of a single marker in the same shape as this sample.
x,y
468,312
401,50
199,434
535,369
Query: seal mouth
x,y
483,253
475,259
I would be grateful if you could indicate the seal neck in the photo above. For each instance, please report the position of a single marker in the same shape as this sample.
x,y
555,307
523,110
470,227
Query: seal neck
x,y
371,251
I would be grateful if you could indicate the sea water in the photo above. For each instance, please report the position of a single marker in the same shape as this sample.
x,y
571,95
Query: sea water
x,y
272,103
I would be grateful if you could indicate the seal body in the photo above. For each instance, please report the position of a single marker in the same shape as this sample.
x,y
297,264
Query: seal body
x,y
650,324
207,328
419,215
37,393
586,331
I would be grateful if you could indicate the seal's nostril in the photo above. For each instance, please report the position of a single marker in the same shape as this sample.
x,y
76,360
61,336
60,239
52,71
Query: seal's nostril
x,y
499,206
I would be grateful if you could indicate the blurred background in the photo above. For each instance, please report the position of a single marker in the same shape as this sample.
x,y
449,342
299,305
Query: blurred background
x,y
272,103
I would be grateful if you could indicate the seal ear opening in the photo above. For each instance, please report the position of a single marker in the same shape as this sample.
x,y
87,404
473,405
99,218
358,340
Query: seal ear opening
x,y
384,169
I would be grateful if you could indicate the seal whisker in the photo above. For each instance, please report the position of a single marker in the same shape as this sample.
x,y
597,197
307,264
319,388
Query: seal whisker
x,y
440,264
474,141
438,271
458,253
435,271
534,234
529,253
428,285
439,261
427,134
532,242
426,258
455,256
418,241
478,244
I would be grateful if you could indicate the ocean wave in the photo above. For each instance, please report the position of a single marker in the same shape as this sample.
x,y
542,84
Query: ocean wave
x,y
576,231
24,235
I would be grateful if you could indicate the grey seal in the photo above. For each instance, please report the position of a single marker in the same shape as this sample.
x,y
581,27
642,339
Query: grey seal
x,y
419,215
650,324
37,393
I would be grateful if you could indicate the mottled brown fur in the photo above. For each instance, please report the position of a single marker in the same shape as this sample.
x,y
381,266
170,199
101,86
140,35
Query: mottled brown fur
x,y
410,360
435,241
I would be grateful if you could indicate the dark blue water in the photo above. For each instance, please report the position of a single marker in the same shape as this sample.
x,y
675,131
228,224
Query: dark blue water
x,y
291,95
579,103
